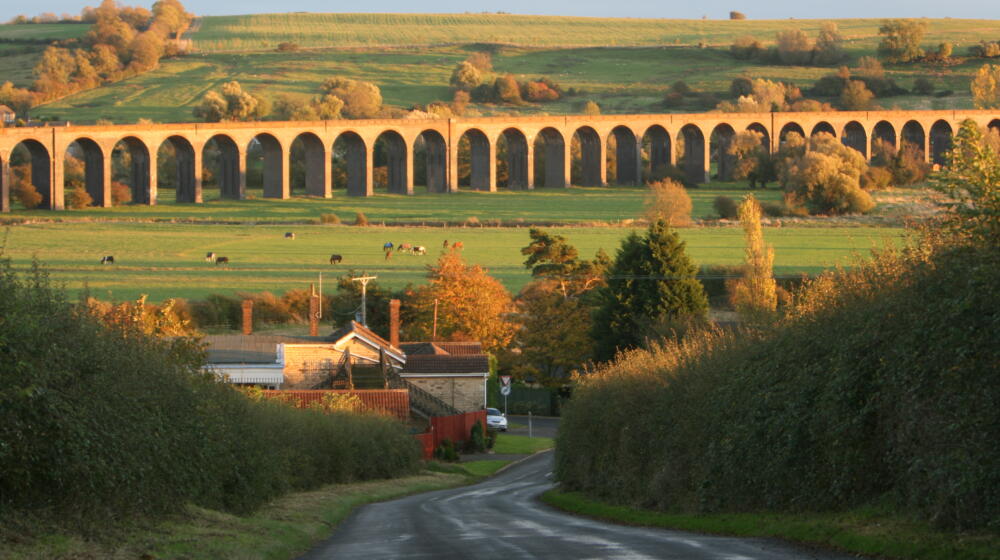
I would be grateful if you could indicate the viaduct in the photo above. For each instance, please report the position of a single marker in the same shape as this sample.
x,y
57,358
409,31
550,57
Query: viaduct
x,y
529,142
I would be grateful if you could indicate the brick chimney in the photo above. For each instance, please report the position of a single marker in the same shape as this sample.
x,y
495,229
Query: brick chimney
x,y
248,316
394,322
314,311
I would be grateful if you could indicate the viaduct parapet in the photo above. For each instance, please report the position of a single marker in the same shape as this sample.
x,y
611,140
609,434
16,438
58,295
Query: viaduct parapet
x,y
692,141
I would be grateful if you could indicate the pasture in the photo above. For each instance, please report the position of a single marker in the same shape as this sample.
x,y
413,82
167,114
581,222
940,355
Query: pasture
x,y
571,205
166,260
624,65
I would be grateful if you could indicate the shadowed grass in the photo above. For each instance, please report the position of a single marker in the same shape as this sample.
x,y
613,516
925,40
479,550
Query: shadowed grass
x,y
868,531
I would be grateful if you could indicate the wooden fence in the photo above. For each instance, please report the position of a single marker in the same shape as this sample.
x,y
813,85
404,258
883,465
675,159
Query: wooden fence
x,y
457,428
390,402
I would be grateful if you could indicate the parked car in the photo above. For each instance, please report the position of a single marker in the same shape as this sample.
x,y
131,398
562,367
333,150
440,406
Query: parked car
x,y
495,420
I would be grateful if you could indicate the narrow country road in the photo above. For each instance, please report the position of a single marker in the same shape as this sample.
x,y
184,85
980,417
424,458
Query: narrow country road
x,y
501,518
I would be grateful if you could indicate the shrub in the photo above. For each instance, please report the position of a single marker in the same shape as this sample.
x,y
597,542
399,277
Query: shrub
x,y
446,451
923,86
26,194
825,179
668,200
465,77
120,193
681,87
745,48
794,47
773,209
106,422
741,86
288,46
78,197
876,178
673,100
330,219
360,219
477,440
737,15
726,207
870,392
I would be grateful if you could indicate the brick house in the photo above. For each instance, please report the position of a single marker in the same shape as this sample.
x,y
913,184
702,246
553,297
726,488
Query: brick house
x,y
7,115
442,377
455,372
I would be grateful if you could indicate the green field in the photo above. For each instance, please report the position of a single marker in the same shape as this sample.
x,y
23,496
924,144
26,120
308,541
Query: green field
x,y
571,205
266,31
167,260
625,65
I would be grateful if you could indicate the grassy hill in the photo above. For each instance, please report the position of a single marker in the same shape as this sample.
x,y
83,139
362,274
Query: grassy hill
x,y
625,65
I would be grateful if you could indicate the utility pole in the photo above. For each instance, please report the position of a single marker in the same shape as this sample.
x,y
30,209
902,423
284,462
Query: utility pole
x,y
364,304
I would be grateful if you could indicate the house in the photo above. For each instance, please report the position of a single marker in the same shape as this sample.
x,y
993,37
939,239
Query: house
x,y
298,362
7,115
442,378
455,372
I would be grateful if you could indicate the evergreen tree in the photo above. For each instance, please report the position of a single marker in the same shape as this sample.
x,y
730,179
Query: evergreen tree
x,y
651,282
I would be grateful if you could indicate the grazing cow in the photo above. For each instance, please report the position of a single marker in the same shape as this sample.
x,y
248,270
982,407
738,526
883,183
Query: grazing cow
x,y
388,255
221,260
388,246
335,259
289,235
419,250
405,247
110,259
210,256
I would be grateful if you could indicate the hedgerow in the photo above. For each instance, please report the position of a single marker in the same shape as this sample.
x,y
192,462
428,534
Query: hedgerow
x,y
101,423
882,385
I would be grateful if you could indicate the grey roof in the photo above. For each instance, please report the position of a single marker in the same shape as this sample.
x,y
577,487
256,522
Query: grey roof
x,y
251,349
434,363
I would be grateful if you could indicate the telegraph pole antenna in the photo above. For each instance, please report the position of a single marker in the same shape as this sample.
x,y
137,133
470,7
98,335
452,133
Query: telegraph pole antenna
x,y
364,287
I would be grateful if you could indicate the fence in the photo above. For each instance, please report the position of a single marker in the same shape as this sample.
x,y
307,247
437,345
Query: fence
x,y
457,428
390,402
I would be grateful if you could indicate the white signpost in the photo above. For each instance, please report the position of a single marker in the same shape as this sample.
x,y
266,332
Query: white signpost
x,y
505,391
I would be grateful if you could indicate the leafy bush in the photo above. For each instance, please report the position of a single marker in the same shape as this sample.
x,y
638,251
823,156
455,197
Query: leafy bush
x,y
477,441
876,178
26,194
77,197
120,193
871,390
330,219
725,207
446,451
773,209
104,423
360,219
668,200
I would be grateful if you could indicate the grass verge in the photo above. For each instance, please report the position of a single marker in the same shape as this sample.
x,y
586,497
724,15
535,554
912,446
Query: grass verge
x,y
870,531
283,529
511,445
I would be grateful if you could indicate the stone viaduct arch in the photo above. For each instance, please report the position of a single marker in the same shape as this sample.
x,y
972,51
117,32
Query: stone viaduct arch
x,y
550,151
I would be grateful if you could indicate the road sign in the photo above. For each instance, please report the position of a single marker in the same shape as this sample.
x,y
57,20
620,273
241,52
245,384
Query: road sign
x,y
505,380
505,390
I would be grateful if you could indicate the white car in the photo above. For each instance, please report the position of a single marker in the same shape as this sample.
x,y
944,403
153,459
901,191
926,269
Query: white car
x,y
495,420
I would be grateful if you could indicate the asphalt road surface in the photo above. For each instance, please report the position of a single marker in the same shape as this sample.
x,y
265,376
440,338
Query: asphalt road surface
x,y
502,518
541,426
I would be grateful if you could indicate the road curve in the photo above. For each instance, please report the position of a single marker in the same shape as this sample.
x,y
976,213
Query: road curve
x,y
502,518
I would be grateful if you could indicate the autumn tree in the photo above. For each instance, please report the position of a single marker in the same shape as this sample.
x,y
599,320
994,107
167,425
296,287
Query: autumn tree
x,y
824,179
465,77
856,96
472,305
901,39
986,87
591,108
172,16
829,44
507,90
668,200
755,293
231,103
361,100
753,159
652,282
972,180
794,47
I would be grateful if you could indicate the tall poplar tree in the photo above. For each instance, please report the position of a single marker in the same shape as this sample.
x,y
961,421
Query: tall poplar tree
x,y
755,295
